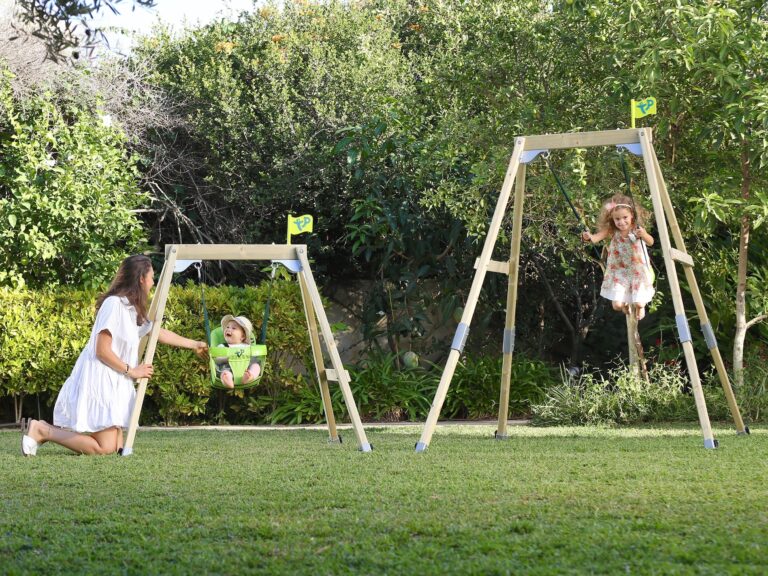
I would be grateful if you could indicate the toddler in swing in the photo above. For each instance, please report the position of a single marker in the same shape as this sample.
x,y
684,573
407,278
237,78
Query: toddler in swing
x,y
237,334
628,279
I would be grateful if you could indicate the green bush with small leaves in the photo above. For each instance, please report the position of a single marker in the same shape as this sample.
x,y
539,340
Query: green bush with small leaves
x,y
43,332
625,397
68,193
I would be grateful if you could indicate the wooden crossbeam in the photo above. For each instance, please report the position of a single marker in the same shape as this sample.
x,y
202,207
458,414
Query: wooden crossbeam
x,y
583,139
494,266
680,256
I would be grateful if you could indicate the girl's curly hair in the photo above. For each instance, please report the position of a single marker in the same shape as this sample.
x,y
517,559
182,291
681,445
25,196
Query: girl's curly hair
x,y
605,220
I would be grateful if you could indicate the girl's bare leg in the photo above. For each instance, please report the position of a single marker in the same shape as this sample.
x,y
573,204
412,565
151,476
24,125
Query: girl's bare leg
x,y
620,307
639,311
103,442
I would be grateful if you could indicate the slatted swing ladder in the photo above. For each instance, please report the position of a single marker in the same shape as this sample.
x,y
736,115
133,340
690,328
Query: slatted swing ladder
x,y
526,149
294,256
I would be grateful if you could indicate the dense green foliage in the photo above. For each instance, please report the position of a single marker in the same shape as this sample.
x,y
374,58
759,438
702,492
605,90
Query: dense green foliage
x,y
287,393
570,501
180,392
67,193
622,397
392,122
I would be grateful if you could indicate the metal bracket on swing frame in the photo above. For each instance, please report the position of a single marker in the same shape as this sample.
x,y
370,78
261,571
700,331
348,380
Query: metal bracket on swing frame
x,y
293,266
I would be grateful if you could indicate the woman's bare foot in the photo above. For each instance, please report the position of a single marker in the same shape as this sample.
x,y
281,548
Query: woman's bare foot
x,y
227,379
36,429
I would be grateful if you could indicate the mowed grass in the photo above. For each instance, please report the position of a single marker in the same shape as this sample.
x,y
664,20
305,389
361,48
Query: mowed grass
x,y
545,501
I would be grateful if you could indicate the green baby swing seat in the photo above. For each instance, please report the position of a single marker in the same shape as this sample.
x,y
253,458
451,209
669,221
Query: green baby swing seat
x,y
239,359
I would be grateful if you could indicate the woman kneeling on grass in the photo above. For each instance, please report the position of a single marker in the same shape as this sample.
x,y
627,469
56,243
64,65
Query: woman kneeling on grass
x,y
96,401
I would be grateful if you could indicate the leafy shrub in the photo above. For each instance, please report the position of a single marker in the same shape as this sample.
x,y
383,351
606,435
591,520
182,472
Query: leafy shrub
x,y
752,395
622,398
43,332
41,335
68,194
476,386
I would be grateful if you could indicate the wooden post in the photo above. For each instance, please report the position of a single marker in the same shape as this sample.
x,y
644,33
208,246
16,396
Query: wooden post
x,y
631,328
508,344
674,287
477,284
330,343
158,303
706,327
317,354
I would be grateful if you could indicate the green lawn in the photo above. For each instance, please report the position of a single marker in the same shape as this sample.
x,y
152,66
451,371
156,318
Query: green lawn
x,y
546,501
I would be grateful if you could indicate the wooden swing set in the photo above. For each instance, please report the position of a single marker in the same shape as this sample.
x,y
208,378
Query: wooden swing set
x,y
295,257
527,148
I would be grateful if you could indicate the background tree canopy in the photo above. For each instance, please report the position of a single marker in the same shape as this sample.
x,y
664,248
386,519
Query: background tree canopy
x,y
393,122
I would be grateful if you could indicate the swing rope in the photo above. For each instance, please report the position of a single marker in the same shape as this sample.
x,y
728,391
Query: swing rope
x,y
626,175
646,258
206,321
567,197
265,320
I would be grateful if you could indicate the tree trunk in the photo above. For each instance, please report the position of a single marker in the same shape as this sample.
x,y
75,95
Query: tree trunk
x,y
741,283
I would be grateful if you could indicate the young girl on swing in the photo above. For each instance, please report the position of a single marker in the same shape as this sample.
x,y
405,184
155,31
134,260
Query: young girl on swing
x,y
628,279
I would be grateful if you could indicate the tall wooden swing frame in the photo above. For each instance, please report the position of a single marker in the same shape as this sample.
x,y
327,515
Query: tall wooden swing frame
x,y
296,255
639,141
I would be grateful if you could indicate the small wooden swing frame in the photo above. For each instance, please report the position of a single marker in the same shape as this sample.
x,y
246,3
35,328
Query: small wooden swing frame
x,y
639,142
313,311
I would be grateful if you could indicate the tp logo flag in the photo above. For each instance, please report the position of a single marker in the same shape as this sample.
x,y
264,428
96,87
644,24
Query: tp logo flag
x,y
299,225
644,107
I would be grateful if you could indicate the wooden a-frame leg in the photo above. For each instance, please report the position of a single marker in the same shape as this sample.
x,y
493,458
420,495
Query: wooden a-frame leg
x,y
508,344
158,307
674,287
317,355
636,355
706,327
469,309
325,327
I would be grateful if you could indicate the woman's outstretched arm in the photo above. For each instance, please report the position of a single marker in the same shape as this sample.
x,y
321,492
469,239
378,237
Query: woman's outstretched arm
x,y
173,339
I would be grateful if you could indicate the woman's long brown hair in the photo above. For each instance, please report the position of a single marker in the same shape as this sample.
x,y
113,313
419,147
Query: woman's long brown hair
x,y
127,282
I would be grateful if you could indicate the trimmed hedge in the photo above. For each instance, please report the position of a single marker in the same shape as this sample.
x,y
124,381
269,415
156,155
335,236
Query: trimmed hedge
x,y
43,332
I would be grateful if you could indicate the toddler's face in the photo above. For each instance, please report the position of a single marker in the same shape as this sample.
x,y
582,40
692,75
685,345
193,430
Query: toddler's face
x,y
233,333
622,219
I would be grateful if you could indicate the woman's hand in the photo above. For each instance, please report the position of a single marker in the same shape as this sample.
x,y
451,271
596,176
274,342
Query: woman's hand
x,y
201,349
586,236
141,371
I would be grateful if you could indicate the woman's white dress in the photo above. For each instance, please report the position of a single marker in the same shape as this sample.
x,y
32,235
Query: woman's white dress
x,y
95,396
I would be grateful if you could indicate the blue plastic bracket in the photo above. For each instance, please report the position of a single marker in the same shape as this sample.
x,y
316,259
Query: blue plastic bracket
x,y
709,336
181,265
509,341
462,331
635,149
294,266
530,155
683,331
